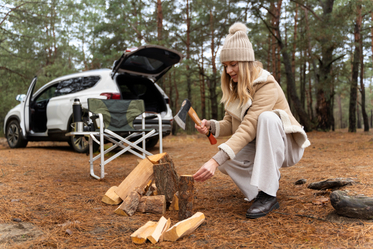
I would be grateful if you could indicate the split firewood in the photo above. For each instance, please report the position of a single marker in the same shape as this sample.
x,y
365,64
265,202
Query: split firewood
x,y
152,204
151,190
184,227
166,227
330,184
166,180
111,197
360,207
154,237
129,205
186,196
140,235
138,178
175,202
155,158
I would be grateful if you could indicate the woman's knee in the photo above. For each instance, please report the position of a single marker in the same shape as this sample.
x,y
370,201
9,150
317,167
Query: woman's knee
x,y
268,117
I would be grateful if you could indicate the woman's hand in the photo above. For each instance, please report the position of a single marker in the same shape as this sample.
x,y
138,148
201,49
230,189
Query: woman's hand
x,y
206,171
204,127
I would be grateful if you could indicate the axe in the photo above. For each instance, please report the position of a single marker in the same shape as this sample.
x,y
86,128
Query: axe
x,y
180,118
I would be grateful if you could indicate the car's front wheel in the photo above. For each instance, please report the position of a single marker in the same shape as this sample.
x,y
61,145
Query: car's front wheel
x,y
14,135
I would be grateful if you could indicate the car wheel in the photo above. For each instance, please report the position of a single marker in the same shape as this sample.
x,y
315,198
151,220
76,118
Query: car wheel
x,y
151,142
79,143
14,135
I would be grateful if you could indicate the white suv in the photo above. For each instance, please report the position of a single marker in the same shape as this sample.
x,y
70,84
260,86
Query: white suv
x,y
46,115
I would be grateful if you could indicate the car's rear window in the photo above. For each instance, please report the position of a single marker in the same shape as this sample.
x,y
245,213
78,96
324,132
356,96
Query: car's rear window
x,y
74,85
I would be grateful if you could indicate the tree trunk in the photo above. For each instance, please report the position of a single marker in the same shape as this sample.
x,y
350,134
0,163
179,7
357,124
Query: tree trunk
x,y
202,86
295,39
212,85
324,91
159,20
304,120
355,73
362,88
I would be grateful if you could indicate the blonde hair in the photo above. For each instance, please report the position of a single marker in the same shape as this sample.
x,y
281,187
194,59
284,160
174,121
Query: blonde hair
x,y
243,90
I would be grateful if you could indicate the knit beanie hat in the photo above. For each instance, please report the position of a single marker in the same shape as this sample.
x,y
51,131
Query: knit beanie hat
x,y
237,46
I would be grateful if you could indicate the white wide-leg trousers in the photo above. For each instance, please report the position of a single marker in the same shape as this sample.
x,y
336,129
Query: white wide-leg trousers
x,y
256,166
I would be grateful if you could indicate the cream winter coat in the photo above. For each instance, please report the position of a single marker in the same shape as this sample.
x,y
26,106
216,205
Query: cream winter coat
x,y
241,122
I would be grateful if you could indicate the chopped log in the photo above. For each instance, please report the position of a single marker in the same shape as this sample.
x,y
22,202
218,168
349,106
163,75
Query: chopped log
x,y
152,204
138,178
175,202
140,235
111,197
360,207
166,180
186,196
184,227
166,227
330,184
154,237
129,205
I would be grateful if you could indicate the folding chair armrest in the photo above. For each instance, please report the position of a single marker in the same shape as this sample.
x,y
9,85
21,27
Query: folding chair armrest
x,y
97,123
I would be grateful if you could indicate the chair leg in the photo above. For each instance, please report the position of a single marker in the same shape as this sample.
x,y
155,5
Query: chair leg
x,y
92,173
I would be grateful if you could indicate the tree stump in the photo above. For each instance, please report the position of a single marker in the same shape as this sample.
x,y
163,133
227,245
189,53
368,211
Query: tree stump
x,y
166,180
330,184
186,196
352,206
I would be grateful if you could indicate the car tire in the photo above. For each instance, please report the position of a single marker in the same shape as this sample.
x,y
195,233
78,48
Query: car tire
x,y
151,142
14,135
79,144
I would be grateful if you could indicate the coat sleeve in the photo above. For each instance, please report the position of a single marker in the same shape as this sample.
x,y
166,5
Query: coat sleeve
x,y
264,100
224,127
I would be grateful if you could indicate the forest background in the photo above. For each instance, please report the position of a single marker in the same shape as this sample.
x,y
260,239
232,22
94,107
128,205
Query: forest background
x,y
320,51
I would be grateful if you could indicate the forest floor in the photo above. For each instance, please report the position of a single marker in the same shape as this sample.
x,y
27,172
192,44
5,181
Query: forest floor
x,y
48,199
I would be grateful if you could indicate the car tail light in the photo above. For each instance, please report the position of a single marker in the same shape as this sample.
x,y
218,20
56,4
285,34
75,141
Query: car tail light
x,y
111,95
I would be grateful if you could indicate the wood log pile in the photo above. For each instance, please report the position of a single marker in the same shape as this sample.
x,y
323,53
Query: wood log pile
x,y
153,187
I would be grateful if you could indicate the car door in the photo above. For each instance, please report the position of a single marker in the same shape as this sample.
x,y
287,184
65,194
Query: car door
x,y
25,123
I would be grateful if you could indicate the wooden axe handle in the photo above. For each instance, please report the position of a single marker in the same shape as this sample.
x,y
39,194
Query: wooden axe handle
x,y
193,115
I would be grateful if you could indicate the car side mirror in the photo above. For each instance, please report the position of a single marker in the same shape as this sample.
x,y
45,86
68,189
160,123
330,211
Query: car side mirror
x,y
20,97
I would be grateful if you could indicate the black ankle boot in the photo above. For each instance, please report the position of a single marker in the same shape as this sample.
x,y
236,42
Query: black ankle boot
x,y
263,204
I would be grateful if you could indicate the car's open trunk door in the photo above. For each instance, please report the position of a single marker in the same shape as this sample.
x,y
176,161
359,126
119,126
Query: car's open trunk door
x,y
150,61
26,117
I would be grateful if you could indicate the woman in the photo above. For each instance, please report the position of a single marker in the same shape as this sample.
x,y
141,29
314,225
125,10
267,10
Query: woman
x,y
264,134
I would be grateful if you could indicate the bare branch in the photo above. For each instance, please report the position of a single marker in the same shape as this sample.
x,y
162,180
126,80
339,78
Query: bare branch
x,y
11,10
268,27
9,70
308,8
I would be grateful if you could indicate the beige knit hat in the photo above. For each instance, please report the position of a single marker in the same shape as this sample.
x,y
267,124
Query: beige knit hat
x,y
237,46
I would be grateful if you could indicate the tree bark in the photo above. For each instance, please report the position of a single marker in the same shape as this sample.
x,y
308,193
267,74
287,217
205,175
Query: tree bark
x,y
166,180
186,196
324,91
304,120
355,73
159,20
152,204
360,207
362,88
212,85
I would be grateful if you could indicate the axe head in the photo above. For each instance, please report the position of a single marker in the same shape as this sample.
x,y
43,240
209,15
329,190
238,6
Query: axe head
x,y
180,117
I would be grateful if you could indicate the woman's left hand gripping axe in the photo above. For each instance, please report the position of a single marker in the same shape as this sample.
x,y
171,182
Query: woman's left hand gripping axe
x,y
180,118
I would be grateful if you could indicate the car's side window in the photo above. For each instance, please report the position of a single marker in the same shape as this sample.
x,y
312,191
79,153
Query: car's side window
x,y
46,94
74,85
